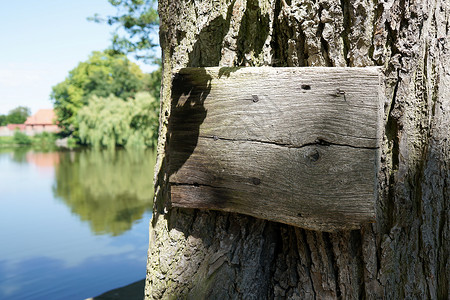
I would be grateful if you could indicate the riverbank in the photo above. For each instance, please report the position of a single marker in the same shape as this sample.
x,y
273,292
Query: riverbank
x,y
43,140
7,141
134,291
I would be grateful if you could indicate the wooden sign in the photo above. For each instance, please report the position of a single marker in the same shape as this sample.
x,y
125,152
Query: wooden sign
x,y
292,145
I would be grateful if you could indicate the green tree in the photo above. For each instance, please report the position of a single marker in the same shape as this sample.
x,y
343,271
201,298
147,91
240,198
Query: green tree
x,y
103,74
18,115
2,120
136,25
21,138
153,83
110,122
136,31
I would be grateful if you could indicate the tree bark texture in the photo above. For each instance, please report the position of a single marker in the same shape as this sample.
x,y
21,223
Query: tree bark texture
x,y
199,254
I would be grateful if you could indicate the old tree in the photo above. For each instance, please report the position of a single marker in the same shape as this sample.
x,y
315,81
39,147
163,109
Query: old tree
x,y
208,254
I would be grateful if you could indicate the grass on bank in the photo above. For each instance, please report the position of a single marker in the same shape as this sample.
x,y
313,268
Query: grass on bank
x,y
43,140
7,141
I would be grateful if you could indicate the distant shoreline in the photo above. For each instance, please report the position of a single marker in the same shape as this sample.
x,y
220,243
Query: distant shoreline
x,y
133,291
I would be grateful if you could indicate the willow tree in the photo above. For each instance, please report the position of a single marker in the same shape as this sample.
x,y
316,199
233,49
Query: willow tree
x,y
404,254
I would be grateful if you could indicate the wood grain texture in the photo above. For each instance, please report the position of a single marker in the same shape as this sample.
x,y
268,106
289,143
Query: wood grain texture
x,y
292,145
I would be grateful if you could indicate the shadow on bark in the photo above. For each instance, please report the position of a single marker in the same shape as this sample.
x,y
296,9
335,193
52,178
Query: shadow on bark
x,y
189,91
253,32
207,50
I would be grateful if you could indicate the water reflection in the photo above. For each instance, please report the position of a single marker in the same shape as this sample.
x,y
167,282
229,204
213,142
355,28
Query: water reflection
x,y
46,251
108,189
44,160
52,274
17,155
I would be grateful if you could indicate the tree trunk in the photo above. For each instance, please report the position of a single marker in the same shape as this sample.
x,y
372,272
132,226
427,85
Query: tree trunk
x,y
214,255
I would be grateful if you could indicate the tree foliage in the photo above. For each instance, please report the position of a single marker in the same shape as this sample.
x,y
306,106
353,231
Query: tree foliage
x,y
103,74
153,83
111,73
21,138
136,25
110,121
17,115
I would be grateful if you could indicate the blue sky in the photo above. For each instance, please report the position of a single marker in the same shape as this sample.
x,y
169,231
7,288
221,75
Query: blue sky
x,y
41,41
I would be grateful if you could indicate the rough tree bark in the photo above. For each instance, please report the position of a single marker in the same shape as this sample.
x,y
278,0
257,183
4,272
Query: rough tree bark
x,y
206,254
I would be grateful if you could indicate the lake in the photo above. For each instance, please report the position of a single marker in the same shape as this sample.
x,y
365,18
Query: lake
x,y
73,224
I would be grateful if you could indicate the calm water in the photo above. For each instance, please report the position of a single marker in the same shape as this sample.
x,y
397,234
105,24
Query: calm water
x,y
73,224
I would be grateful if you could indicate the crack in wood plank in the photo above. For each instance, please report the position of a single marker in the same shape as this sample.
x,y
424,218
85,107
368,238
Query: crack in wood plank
x,y
319,142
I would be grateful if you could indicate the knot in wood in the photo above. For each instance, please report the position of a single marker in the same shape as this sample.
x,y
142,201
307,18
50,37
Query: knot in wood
x,y
256,181
313,155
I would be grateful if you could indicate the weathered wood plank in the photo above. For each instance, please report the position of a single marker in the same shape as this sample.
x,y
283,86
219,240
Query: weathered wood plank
x,y
294,145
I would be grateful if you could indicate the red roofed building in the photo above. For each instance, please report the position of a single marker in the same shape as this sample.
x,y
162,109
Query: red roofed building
x,y
42,121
